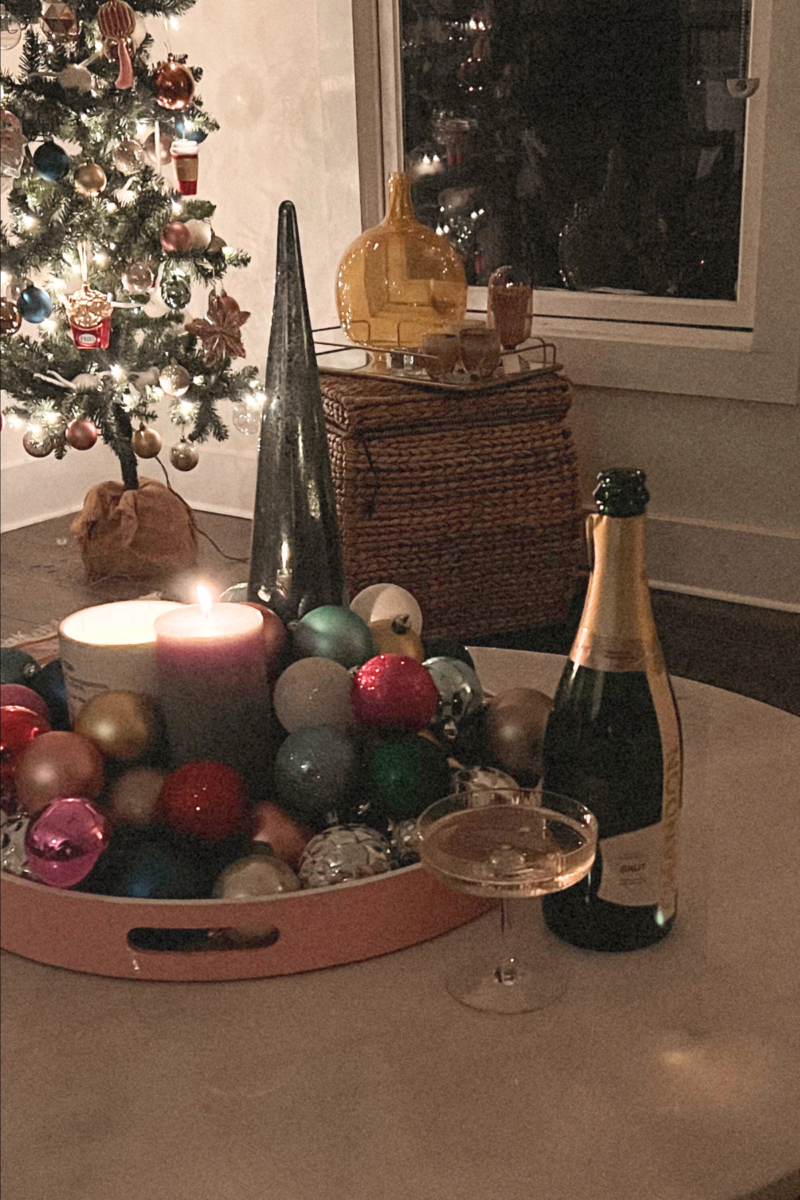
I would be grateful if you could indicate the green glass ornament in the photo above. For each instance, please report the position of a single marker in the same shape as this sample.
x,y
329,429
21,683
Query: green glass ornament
x,y
406,773
333,632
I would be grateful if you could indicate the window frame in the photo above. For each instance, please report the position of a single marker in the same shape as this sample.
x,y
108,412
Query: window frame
x,y
748,349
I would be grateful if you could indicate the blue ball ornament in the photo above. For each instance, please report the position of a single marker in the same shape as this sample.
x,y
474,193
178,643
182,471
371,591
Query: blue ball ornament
x,y
315,771
51,162
34,304
17,667
333,632
188,131
49,683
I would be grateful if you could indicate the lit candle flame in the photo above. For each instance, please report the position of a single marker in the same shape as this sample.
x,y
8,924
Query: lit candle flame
x,y
204,600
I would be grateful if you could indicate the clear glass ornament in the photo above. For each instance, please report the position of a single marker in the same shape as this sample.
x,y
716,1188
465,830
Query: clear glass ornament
x,y
246,417
10,30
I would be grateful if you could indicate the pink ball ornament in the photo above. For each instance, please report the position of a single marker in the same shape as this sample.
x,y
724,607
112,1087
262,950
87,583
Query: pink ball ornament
x,y
65,841
391,690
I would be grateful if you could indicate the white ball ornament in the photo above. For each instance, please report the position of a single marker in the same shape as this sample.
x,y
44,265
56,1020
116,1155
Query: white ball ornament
x,y
200,232
385,602
313,691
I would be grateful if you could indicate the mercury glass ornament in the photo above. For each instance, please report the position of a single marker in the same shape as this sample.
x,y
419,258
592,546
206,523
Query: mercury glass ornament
x,y
129,156
344,852
175,380
296,557
403,840
38,442
138,279
90,179
460,693
481,783
176,291
184,456
12,144
13,856
149,147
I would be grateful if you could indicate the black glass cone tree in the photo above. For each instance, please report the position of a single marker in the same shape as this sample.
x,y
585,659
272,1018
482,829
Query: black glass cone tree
x,y
296,557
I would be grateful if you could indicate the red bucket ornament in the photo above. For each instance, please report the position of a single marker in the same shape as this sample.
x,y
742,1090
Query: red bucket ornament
x,y
89,315
116,21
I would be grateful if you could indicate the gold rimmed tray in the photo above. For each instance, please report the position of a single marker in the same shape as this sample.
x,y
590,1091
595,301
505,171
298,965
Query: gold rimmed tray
x,y
406,364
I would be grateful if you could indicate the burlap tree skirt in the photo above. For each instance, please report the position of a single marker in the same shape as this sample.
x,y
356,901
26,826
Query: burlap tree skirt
x,y
137,533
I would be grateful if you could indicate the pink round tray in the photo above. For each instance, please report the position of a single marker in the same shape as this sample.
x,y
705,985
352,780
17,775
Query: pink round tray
x,y
320,927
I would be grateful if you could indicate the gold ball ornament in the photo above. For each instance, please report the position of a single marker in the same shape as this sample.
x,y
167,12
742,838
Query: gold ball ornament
x,y
184,456
174,85
515,725
397,637
10,320
174,380
90,179
122,725
146,442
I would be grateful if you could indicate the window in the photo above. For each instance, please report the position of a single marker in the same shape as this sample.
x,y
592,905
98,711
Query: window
x,y
596,146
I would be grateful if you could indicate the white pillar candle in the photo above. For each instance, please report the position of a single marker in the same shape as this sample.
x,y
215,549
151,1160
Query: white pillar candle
x,y
110,647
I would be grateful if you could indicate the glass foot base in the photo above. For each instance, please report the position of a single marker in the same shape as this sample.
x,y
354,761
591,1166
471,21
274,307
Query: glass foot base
x,y
480,984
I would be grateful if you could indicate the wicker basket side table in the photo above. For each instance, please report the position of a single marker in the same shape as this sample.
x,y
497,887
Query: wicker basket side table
x,y
467,499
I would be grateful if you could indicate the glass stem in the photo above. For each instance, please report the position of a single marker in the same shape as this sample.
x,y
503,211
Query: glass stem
x,y
507,969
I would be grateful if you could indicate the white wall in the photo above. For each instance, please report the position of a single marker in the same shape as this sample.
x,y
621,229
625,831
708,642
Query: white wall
x,y
724,475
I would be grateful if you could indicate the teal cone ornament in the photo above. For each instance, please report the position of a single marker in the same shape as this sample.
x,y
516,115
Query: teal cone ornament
x,y
296,556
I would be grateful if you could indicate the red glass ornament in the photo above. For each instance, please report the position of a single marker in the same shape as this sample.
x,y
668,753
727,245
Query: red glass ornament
x,y
393,690
23,697
176,238
205,799
275,633
18,727
81,435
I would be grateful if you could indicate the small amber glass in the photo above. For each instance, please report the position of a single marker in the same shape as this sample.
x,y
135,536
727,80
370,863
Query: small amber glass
x,y
401,280
508,307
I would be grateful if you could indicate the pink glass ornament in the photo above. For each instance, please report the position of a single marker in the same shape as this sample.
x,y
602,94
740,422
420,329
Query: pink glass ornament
x,y
65,841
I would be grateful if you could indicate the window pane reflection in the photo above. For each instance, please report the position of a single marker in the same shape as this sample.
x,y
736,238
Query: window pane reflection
x,y
590,144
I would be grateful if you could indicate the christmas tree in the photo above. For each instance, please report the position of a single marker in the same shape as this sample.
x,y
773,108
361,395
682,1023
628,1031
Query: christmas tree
x,y
107,237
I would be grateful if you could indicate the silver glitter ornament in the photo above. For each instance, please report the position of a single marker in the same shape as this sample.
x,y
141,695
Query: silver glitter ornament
x,y
344,852
12,846
403,839
481,783
460,694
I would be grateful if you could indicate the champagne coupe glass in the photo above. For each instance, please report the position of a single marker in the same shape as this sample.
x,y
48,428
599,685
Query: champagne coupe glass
x,y
508,843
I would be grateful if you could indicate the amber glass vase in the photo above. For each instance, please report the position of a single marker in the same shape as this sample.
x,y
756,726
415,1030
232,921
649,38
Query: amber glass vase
x,y
401,280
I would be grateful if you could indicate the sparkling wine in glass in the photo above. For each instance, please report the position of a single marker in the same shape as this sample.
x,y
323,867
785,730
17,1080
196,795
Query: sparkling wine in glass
x,y
507,844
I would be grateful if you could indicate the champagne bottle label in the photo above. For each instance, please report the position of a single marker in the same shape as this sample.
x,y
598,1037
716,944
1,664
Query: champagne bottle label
x,y
632,866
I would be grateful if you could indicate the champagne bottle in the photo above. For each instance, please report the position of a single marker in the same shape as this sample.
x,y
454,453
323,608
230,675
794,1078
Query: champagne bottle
x,y
613,739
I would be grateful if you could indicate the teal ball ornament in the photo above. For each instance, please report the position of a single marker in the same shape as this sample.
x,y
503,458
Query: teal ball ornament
x,y
333,632
34,304
17,667
405,773
51,162
315,772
